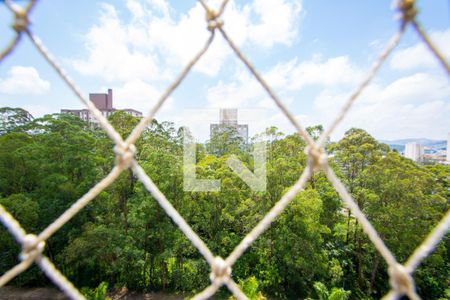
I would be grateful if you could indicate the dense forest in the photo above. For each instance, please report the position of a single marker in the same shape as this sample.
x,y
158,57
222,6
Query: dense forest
x,y
315,249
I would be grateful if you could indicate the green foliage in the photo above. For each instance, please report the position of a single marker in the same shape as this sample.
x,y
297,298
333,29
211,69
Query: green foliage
x,y
250,287
13,119
225,140
339,294
123,123
99,293
321,290
334,294
315,131
124,237
23,208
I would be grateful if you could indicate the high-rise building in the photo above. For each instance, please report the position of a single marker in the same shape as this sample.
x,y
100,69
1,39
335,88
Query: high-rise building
x,y
104,103
414,151
229,117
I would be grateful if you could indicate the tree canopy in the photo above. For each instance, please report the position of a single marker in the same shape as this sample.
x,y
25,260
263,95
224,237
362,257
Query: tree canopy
x,y
315,249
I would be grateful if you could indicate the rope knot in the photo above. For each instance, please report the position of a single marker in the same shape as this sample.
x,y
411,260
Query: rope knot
x,y
213,20
220,271
400,280
408,9
124,155
21,21
31,247
317,158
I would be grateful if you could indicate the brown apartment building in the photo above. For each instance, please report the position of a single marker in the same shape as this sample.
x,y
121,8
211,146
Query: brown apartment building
x,y
104,103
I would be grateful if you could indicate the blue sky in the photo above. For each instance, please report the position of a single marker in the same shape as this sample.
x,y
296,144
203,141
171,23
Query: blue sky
x,y
313,53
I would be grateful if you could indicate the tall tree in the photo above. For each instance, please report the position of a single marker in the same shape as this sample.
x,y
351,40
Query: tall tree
x,y
225,139
13,119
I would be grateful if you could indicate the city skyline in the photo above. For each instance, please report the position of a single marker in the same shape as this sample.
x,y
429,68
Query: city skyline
x,y
138,47
216,111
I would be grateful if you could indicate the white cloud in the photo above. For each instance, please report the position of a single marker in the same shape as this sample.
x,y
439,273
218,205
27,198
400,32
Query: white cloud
x,y
244,91
291,76
286,79
419,56
294,75
408,107
141,53
278,21
139,95
112,51
23,81
156,41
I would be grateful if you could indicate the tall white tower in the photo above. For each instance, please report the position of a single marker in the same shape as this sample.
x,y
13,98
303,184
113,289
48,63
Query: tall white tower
x,y
414,151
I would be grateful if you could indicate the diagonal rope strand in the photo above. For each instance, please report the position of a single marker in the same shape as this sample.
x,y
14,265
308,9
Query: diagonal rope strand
x,y
268,89
12,225
208,9
357,92
20,23
269,217
429,244
30,6
79,204
365,224
59,279
10,47
173,213
401,280
110,131
137,131
234,288
16,270
207,292
440,57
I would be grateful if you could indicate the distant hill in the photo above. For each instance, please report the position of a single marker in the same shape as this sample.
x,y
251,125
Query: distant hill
x,y
423,141
399,145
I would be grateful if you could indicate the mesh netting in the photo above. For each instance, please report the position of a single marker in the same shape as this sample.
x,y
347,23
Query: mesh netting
x,y
400,275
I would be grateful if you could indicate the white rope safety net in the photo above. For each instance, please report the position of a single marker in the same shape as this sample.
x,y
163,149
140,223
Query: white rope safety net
x,y
401,280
